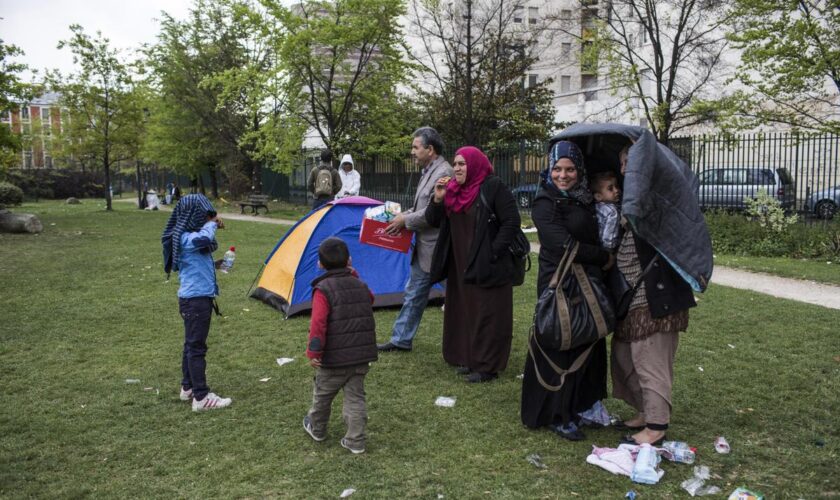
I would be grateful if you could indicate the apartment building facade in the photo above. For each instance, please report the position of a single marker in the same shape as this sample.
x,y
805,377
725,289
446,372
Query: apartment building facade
x,y
37,122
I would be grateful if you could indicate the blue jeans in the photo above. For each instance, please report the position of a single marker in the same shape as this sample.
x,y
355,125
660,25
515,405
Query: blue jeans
x,y
319,202
196,313
416,297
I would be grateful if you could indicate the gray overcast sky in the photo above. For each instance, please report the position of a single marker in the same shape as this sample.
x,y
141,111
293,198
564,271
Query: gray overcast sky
x,y
36,26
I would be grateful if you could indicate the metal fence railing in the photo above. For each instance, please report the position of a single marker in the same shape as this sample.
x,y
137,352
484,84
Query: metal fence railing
x,y
802,171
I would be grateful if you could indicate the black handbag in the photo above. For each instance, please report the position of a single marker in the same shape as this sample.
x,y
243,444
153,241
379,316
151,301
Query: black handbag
x,y
621,291
575,309
520,248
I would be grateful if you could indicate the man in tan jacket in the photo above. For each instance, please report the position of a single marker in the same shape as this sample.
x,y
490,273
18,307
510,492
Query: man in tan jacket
x,y
426,149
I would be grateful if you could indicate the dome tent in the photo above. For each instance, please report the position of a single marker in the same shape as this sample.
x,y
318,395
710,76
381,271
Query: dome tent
x,y
293,263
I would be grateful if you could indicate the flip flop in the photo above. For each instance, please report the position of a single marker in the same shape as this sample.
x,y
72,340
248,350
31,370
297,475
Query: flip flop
x,y
628,439
621,426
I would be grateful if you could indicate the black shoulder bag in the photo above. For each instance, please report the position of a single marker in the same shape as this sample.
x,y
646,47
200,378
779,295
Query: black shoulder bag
x,y
620,289
520,248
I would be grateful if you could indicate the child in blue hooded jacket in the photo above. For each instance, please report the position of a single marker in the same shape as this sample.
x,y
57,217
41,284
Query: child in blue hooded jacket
x,y
189,241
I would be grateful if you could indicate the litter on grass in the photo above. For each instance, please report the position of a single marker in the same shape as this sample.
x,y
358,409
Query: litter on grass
x,y
700,368
722,445
346,493
445,401
283,361
731,346
596,415
132,381
536,460
266,379
745,494
631,495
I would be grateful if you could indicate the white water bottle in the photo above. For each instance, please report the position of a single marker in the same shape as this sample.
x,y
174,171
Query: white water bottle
x,y
227,260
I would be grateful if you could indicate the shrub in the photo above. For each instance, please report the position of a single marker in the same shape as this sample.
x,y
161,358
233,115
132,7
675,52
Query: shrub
x,y
10,195
735,233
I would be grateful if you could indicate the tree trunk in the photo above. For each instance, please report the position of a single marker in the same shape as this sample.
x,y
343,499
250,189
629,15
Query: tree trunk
x,y
19,223
256,176
214,181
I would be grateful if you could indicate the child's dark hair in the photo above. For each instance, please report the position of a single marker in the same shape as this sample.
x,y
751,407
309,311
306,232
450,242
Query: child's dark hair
x,y
333,253
601,177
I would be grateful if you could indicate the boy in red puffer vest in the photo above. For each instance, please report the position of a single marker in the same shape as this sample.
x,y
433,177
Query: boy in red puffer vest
x,y
342,343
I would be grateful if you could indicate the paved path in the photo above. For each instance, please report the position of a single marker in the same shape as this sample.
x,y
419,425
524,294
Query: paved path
x,y
785,288
225,216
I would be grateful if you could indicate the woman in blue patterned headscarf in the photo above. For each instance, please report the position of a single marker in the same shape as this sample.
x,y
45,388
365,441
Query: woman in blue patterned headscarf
x,y
563,213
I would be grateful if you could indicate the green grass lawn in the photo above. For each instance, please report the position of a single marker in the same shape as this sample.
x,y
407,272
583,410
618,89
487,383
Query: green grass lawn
x,y
86,306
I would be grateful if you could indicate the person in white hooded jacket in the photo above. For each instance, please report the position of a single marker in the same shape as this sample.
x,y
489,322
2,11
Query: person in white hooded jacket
x,y
351,180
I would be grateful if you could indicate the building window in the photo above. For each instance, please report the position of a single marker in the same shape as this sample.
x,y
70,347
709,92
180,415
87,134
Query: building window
x,y
6,116
48,161
45,121
589,84
566,15
533,15
565,83
532,81
24,113
27,159
518,12
565,49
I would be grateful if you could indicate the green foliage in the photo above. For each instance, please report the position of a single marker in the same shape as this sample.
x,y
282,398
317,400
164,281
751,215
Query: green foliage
x,y
54,183
12,92
737,234
768,212
789,51
213,74
10,195
104,114
340,64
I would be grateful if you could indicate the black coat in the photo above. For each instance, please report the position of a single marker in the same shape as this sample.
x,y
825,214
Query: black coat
x,y
561,221
666,292
489,264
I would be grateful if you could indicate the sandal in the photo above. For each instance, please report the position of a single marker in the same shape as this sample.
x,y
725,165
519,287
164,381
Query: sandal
x,y
628,439
623,427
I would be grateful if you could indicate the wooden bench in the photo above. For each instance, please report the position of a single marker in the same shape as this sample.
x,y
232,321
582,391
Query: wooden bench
x,y
255,201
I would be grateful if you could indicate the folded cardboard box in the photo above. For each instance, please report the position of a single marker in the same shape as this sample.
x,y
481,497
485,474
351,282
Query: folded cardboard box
x,y
373,233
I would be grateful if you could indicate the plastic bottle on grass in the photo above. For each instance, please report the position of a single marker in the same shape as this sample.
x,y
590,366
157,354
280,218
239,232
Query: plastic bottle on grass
x,y
681,451
227,260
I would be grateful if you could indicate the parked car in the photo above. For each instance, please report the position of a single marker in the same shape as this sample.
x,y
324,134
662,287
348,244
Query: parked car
x,y
823,204
729,187
524,194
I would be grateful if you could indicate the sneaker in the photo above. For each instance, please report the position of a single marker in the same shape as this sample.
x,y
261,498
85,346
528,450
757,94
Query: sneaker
x,y
210,402
186,395
307,426
355,451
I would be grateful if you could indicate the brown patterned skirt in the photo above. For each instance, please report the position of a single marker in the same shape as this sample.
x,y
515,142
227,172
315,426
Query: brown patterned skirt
x,y
639,324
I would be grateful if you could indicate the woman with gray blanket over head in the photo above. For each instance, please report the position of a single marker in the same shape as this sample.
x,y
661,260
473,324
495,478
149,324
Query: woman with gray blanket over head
x,y
645,342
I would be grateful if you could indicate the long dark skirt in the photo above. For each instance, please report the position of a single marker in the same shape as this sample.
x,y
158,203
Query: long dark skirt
x,y
477,322
541,407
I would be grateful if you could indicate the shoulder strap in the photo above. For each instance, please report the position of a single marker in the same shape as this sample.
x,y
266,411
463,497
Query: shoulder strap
x,y
576,365
646,270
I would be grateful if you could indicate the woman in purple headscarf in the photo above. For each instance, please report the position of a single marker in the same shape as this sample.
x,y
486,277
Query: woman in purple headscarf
x,y
478,219
563,213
